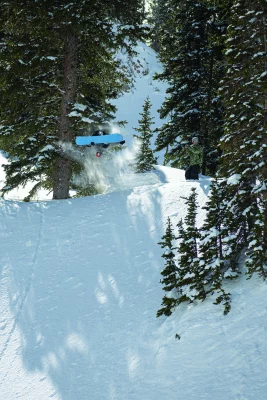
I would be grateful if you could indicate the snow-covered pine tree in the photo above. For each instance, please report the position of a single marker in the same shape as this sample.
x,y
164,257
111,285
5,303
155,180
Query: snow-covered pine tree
x,y
212,265
239,211
245,141
191,53
256,258
169,272
189,281
158,15
211,243
214,110
224,233
145,159
59,68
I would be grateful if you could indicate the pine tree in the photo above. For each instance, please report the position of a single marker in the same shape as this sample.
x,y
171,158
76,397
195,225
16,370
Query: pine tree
x,y
213,267
59,70
145,159
169,272
159,15
189,280
212,235
256,258
245,141
191,53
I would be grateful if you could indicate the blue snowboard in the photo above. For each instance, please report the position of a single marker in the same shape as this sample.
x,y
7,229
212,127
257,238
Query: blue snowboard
x,y
98,140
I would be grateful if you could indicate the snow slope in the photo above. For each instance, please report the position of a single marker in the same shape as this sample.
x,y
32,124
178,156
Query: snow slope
x,y
79,292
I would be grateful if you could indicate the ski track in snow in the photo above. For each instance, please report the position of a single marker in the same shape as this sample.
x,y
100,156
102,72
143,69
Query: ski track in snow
x,y
141,203
20,301
79,284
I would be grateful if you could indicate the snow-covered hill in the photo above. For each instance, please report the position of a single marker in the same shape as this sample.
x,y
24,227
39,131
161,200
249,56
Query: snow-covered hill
x,y
79,291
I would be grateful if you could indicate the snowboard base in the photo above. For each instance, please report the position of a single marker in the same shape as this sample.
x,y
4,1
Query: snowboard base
x,y
114,138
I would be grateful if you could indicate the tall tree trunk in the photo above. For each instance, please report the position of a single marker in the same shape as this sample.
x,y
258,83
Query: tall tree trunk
x,y
63,165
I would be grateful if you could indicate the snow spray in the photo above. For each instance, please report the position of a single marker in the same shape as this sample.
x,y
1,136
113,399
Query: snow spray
x,y
107,173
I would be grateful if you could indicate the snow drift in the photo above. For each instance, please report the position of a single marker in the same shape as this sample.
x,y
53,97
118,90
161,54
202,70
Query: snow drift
x,y
79,287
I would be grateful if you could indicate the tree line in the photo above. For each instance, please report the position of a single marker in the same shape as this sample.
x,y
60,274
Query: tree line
x,y
214,56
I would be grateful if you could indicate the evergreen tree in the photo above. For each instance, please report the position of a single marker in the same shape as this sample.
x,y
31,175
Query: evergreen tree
x,y
169,272
159,15
256,258
189,280
58,70
212,231
214,245
245,141
191,53
238,215
145,159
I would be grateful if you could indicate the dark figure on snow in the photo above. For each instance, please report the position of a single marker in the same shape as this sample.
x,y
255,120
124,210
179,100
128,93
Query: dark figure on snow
x,y
195,154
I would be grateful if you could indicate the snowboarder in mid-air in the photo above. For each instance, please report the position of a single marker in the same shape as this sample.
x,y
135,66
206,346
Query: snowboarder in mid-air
x,y
101,140
195,155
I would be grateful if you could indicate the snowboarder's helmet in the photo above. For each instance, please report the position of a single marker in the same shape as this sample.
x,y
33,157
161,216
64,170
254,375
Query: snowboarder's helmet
x,y
195,140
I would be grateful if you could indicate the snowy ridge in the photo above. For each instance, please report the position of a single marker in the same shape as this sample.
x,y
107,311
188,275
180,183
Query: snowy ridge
x,y
79,292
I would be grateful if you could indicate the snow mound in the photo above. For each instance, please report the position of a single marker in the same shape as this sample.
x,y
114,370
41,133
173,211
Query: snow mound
x,y
79,292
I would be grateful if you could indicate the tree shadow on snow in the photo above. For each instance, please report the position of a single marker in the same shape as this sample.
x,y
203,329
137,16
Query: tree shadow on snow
x,y
84,292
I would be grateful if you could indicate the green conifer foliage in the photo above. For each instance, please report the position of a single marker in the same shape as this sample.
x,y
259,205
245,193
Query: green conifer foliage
x,y
145,159
59,70
169,272
214,244
212,233
159,15
189,280
256,258
191,53
245,141
243,90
